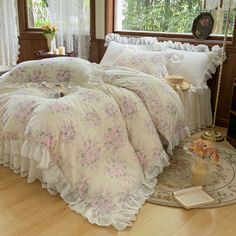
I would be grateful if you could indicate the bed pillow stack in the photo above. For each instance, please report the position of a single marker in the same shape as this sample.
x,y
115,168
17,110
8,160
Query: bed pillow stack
x,y
195,63
196,67
145,58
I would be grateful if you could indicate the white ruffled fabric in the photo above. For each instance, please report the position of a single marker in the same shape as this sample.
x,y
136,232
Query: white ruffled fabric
x,y
9,47
129,40
87,145
197,104
213,4
55,182
196,100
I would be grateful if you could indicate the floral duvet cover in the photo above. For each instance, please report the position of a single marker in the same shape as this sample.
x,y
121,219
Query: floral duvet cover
x,y
95,135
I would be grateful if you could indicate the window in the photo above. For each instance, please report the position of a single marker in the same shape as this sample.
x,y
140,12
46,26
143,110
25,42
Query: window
x,y
171,16
37,13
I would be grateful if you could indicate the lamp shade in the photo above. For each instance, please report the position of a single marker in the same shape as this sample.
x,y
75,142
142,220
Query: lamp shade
x,y
213,4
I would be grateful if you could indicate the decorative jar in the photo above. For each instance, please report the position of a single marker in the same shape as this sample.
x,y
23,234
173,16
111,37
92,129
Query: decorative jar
x,y
199,172
50,41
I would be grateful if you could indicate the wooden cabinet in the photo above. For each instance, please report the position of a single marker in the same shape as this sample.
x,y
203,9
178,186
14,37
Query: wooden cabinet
x,y
231,134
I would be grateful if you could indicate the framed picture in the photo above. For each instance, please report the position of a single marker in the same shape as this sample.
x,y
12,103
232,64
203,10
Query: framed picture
x,y
202,25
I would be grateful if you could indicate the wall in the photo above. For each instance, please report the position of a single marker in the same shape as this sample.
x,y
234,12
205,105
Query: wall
x,y
100,19
97,50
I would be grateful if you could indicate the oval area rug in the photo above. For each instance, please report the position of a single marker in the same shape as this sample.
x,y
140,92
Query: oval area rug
x,y
221,180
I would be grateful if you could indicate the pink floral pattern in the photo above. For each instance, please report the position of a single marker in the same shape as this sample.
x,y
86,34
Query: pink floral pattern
x,y
67,133
82,188
92,118
114,139
128,107
56,157
138,59
58,107
152,63
91,154
142,157
103,203
100,143
110,110
38,76
64,75
91,95
12,135
171,109
46,138
150,127
156,106
24,109
116,168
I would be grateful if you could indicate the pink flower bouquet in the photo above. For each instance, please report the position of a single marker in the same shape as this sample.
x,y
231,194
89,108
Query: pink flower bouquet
x,y
49,28
204,149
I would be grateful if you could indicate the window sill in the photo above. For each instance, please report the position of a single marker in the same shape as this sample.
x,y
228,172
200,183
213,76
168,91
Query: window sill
x,y
184,38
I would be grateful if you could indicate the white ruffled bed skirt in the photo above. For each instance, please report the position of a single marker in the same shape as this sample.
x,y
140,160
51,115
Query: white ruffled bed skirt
x,y
197,104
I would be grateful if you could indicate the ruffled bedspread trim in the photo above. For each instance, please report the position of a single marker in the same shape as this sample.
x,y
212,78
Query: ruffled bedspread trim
x,y
33,160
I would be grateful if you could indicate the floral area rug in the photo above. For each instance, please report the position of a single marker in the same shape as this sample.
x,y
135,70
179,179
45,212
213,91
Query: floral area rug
x,y
221,180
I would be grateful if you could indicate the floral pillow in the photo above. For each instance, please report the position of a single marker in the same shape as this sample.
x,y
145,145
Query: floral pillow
x,y
115,49
153,63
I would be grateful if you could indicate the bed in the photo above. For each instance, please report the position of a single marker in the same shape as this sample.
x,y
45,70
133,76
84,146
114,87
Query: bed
x,y
98,137
196,64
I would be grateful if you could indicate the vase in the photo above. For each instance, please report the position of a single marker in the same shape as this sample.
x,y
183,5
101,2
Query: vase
x,y
199,172
50,42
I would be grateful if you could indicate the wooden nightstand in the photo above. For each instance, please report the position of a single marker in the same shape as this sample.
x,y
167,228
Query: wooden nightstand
x,y
231,133
42,54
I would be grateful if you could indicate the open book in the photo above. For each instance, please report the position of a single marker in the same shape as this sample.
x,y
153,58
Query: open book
x,y
192,197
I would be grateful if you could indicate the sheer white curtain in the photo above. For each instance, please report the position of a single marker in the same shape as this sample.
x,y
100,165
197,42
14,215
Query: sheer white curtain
x,y
9,47
213,4
72,18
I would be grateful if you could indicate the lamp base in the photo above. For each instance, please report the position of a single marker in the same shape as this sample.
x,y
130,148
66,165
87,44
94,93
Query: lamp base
x,y
213,136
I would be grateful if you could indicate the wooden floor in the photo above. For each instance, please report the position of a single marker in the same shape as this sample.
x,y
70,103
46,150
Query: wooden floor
x,y
28,210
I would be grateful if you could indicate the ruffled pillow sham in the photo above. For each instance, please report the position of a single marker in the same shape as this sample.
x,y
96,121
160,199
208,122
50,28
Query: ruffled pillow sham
x,y
195,67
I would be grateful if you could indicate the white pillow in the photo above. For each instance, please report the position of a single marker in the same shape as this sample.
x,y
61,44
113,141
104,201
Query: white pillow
x,y
115,49
153,63
195,67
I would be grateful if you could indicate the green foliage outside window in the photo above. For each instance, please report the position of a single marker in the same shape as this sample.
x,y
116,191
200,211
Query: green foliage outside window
x,y
37,13
162,15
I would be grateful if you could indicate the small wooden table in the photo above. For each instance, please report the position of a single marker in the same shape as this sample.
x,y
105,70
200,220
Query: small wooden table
x,y
42,54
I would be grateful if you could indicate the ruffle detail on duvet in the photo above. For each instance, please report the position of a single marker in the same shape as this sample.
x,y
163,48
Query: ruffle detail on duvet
x,y
177,138
33,160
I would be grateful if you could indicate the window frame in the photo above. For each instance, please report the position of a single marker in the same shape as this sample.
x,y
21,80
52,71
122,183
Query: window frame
x,y
183,37
25,30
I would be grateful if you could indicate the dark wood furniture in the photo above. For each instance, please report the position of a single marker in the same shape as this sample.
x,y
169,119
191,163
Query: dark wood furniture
x,y
42,54
231,134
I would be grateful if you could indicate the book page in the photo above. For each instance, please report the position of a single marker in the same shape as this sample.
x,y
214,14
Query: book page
x,y
195,197
191,197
